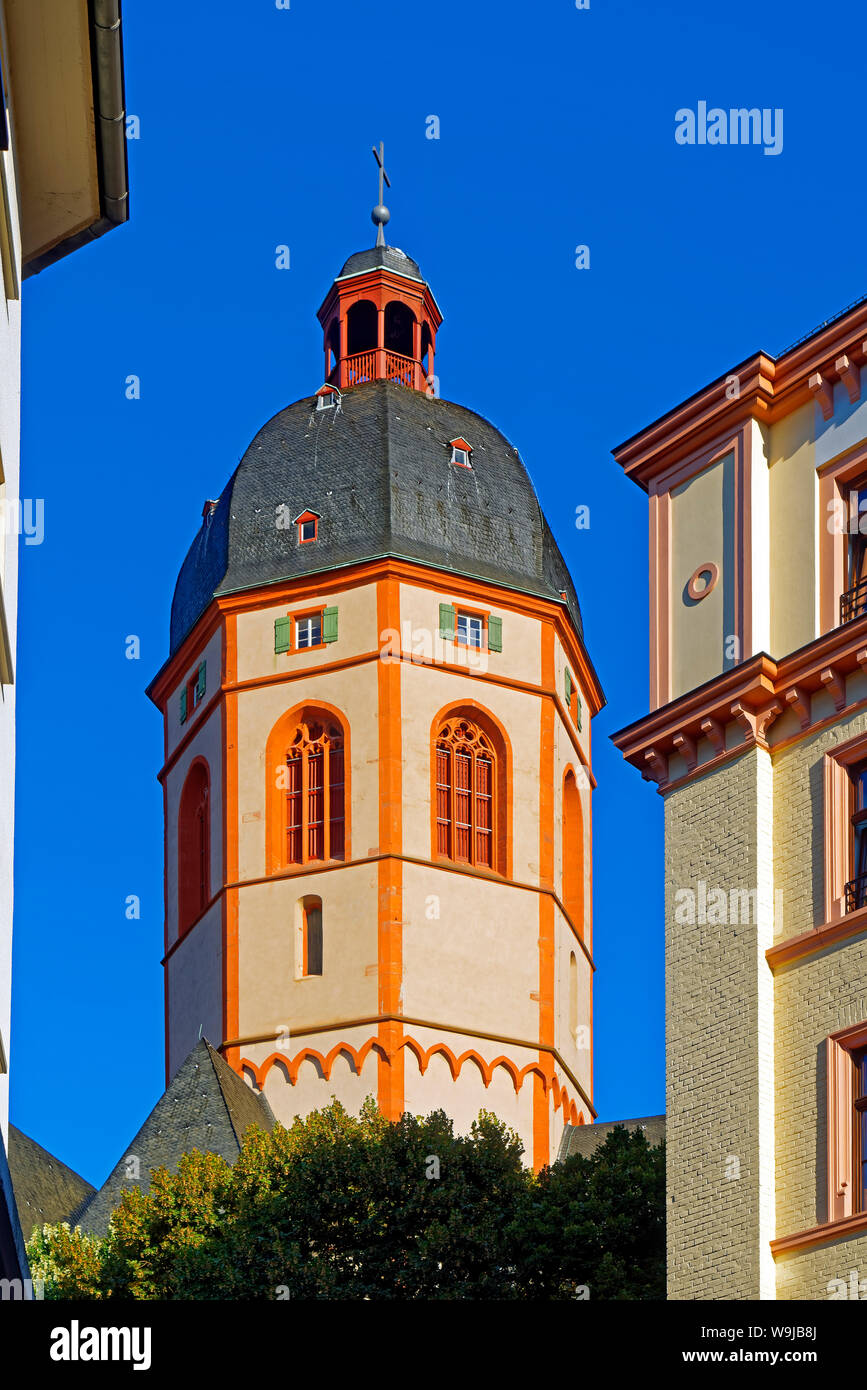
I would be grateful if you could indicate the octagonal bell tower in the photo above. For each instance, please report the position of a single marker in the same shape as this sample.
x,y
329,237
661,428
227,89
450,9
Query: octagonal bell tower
x,y
377,771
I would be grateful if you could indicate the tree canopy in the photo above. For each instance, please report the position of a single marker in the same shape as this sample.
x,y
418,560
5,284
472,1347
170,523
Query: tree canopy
x,y
344,1207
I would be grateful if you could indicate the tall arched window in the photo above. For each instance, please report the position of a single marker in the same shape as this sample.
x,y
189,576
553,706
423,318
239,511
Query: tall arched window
x,y
314,785
194,838
573,853
573,996
470,794
310,937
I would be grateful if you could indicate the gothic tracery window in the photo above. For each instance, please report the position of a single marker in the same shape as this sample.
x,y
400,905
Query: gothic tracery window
x,y
466,794
314,818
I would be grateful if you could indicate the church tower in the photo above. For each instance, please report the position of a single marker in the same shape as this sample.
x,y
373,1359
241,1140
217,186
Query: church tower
x,y
377,775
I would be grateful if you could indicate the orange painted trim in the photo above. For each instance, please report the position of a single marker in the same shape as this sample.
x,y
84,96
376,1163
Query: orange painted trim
x,y
337,580
443,865
166,1000
370,1021
546,761
275,753
390,1069
541,1120
171,672
548,1083
323,668
231,821
298,615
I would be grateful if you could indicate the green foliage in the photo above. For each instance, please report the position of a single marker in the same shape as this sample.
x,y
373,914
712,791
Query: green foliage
x,y
69,1262
597,1222
344,1207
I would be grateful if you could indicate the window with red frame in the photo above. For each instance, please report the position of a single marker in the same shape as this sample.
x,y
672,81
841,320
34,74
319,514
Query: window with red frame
x,y
856,887
466,772
193,847
859,1131
315,792
308,527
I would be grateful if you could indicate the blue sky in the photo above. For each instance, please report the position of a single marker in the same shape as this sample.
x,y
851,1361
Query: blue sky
x,y
556,129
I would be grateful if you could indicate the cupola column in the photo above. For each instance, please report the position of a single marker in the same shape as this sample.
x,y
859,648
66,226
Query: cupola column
x,y
380,342
344,337
418,374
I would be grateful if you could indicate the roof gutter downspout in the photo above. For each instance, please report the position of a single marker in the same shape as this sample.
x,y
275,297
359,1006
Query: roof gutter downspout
x,y
110,108
106,48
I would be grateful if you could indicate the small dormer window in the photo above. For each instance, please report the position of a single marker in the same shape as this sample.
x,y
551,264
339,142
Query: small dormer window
x,y
461,452
308,527
327,397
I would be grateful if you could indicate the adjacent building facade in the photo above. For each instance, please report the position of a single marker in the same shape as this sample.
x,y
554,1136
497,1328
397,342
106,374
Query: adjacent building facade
x,y
63,182
757,741
377,770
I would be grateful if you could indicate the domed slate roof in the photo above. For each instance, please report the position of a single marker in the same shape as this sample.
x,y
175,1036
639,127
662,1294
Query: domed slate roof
x,y
389,257
376,469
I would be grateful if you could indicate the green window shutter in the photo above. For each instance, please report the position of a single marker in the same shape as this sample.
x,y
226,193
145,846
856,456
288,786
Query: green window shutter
x,y
568,687
282,634
184,705
447,622
495,634
329,625
200,681
578,710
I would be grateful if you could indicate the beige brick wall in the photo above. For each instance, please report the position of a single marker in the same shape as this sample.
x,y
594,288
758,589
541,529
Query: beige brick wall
x,y
745,1049
806,1277
719,1039
799,822
814,996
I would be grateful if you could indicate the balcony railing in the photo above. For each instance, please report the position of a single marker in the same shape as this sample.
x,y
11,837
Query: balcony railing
x,y
361,367
379,364
853,604
856,893
399,369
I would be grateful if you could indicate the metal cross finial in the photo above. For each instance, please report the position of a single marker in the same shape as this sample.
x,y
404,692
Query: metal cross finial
x,y
380,214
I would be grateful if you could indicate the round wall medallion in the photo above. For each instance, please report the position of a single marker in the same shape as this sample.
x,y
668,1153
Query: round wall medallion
x,y
703,581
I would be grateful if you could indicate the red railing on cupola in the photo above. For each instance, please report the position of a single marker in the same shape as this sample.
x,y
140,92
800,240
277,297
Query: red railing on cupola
x,y
380,365
379,325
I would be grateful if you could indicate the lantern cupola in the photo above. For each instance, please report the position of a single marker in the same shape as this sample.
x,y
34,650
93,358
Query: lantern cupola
x,y
380,319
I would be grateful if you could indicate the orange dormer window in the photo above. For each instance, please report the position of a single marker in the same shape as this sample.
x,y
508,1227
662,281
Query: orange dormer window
x,y
308,527
326,397
461,452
